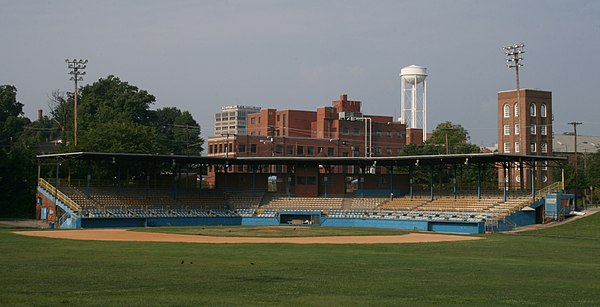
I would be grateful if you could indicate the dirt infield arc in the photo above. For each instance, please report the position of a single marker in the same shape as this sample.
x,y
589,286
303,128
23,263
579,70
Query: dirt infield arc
x,y
125,235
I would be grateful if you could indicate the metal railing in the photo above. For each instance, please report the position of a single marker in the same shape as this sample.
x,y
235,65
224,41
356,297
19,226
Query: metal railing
x,y
59,195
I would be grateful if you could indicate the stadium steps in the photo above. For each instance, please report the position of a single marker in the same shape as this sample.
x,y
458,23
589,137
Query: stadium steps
x,y
347,202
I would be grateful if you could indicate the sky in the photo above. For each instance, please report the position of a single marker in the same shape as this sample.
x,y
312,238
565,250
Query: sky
x,y
199,56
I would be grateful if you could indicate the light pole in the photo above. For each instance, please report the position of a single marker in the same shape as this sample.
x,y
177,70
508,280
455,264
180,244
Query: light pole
x,y
77,73
513,60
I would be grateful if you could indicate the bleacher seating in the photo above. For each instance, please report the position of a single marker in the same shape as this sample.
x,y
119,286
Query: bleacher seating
x,y
305,203
136,202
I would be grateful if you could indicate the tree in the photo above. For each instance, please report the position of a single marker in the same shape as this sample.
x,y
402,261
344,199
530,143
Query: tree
x,y
111,99
61,110
114,116
12,121
455,135
458,143
16,157
178,131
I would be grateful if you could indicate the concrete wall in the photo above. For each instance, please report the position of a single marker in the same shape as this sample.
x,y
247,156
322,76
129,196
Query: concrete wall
x,y
419,225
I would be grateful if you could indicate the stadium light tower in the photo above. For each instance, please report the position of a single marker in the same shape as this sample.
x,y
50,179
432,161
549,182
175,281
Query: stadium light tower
x,y
513,60
77,73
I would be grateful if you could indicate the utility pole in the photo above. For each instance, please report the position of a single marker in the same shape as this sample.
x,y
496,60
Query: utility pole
x,y
575,124
77,73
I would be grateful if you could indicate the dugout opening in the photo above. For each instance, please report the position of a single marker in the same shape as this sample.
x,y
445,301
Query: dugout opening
x,y
300,218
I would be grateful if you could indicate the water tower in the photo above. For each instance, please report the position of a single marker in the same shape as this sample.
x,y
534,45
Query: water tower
x,y
413,97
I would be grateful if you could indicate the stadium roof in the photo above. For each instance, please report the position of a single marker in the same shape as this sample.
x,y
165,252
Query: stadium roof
x,y
424,160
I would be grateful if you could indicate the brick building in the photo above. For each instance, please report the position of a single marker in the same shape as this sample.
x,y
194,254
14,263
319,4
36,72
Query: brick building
x,y
340,130
525,127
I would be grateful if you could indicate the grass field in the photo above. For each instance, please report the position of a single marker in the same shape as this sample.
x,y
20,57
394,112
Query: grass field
x,y
528,269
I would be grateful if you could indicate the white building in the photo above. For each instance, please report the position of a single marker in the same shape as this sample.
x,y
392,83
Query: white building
x,y
232,119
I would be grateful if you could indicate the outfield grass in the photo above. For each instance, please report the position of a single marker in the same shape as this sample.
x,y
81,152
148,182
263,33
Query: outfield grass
x,y
501,270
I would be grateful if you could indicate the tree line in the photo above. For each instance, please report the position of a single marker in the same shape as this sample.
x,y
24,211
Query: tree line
x,y
113,116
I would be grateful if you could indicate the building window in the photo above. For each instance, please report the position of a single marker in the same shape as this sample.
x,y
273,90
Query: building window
x,y
544,147
544,165
388,151
517,129
253,120
253,148
506,110
533,147
356,131
389,134
533,129
506,129
506,147
517,147
279,149
330,151
242,147
532,109
543,110
300,150
310,150
543,130
345,131
289,150
378,133
516,110
278,117
220,148
210,149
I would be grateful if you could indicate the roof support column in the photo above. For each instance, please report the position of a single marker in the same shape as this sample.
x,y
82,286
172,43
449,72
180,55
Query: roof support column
x,y
391,170
521,174
478,181
362,181
533,179
505,179
88,179
454,190
289,181
410,181
431,183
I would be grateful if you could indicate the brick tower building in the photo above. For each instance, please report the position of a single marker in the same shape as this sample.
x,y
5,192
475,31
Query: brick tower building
x,y
525,127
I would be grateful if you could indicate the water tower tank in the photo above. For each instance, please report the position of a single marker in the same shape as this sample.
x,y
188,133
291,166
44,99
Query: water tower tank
x,y
413,73
413,101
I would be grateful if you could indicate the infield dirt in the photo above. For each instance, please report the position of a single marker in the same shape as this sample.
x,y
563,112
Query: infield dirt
x,y
125,235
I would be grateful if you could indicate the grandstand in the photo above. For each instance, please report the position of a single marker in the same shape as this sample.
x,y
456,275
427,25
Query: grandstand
x,y
86,204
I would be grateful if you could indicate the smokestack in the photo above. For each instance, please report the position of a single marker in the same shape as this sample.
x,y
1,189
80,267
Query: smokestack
x,y
40,114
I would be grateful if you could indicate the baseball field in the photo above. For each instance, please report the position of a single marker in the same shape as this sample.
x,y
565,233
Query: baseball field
x,y
556,266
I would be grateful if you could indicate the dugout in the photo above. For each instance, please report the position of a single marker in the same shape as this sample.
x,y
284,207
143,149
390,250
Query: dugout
x,y
305,218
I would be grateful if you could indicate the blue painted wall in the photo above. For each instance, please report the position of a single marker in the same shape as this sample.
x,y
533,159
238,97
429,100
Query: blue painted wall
x,y
112,222
447,226
260,221
376,223
419,225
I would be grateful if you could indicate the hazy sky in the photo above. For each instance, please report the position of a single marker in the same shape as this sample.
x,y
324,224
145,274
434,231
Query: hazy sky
x,y
202,55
